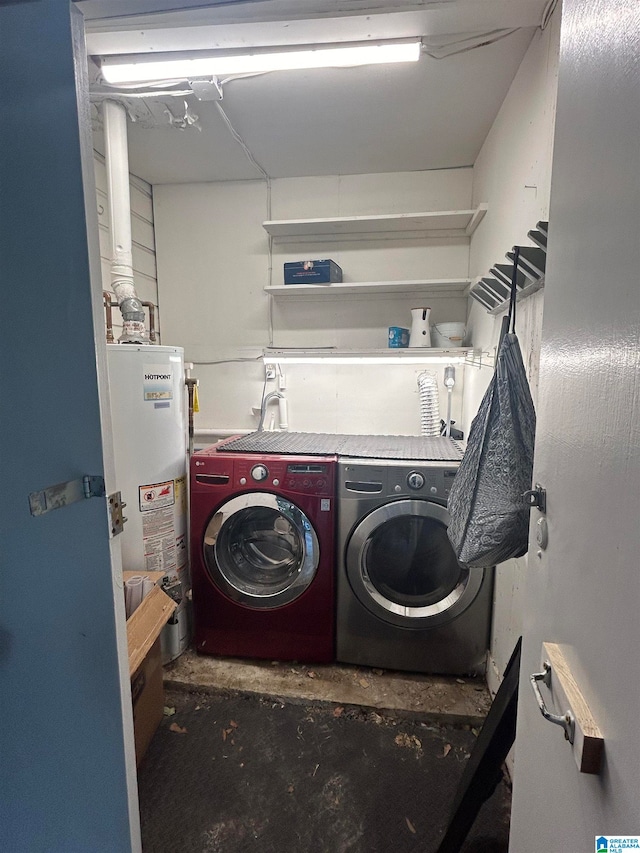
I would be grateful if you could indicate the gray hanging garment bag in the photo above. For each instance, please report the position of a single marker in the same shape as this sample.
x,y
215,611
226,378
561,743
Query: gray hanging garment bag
x,y
489,517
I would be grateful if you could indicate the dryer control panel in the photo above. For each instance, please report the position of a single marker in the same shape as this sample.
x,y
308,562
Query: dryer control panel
x,y
396,479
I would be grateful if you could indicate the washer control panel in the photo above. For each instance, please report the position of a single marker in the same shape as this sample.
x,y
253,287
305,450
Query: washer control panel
x,y
298,475
307,477
259,473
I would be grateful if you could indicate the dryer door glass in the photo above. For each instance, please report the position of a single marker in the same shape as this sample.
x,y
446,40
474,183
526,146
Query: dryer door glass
x,y
261,550
410,561
402,567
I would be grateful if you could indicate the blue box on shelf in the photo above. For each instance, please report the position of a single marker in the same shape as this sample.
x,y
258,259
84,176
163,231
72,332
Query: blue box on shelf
x,y
398,337
312,272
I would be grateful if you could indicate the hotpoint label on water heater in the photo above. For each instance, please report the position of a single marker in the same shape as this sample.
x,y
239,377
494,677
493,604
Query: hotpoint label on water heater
x,y
156,496
157,382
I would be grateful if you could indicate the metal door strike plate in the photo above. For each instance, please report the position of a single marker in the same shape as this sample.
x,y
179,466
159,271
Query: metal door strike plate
x,y
116,518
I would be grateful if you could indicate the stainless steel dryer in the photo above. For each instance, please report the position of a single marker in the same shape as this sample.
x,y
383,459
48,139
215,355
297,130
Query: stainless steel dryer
x,y
403,601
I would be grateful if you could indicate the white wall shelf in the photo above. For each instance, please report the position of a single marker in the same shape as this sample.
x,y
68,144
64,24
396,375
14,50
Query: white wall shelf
x,y
432,287
392,226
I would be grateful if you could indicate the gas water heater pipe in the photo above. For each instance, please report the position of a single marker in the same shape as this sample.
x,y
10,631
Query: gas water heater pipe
x,y
117,163
109,304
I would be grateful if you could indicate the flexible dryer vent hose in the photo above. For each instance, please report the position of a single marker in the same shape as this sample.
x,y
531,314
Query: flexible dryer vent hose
x,y
429,403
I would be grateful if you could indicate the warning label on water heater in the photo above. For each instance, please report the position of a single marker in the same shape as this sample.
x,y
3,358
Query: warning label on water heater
x,y
158,382
158,534
158,526
157,496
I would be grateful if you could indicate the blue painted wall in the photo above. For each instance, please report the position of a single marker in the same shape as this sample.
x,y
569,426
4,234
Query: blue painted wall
x,y
63,783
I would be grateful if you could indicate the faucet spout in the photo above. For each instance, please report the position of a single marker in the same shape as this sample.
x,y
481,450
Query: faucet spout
x,y
282,406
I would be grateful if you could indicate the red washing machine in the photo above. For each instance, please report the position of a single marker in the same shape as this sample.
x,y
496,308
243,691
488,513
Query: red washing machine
x,y
262,555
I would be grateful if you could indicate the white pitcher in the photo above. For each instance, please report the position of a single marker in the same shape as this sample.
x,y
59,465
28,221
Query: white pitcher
x,y
420,335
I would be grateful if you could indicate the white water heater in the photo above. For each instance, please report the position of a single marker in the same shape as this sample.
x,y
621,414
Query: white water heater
x,y
148,411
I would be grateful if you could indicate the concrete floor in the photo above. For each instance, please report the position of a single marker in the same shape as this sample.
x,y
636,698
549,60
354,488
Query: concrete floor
x,y
446,700
240,773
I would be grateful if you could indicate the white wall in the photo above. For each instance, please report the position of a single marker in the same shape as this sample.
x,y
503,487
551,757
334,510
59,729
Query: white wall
x,y
214,262
143,250
513,174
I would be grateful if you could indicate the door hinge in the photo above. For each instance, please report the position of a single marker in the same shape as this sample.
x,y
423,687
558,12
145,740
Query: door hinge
x,y
63,494
89,486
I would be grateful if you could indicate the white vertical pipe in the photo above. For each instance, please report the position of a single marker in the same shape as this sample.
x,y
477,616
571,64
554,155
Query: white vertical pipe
x,y
282,412
117,165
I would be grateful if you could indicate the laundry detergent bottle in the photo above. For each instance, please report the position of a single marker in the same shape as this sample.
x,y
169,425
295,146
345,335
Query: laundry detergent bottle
x,y
420,334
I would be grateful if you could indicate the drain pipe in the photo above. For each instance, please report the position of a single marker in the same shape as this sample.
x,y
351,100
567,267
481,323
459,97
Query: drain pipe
x,y
117,163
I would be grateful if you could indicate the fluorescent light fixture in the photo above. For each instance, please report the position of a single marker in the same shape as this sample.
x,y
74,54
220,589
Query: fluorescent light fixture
x,y
144,68
330,357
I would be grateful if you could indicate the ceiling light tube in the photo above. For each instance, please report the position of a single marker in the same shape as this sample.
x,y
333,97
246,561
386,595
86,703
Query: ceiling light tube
x,y
361,358
144,68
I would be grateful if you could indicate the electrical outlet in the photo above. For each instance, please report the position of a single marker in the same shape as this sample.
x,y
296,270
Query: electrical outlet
x,y
270,371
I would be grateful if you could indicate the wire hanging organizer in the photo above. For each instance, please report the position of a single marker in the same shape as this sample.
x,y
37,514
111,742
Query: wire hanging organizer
x,y
492,291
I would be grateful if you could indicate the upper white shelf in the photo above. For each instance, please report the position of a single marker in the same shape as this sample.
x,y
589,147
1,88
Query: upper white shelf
x,y
442,223
442,287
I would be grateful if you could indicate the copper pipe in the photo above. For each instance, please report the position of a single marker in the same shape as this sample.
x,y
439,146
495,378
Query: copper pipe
x,y
190,383
106,298
152,320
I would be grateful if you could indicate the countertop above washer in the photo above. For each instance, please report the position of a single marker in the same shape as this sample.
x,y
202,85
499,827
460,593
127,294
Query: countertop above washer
x,y
436,449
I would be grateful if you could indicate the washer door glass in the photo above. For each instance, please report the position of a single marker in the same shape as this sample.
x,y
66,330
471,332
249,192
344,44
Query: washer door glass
x,y
261,550
402,567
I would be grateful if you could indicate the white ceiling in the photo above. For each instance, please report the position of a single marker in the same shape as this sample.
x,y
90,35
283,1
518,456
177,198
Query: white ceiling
x,y
434,114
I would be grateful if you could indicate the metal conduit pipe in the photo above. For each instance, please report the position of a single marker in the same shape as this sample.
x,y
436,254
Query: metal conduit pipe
x,y
117,163
222,433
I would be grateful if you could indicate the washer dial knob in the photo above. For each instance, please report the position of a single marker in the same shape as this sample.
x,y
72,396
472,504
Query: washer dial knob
x,y
415,480
259,473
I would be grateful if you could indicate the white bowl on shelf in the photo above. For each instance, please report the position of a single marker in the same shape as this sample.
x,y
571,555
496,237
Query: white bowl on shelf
x,y
448,335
